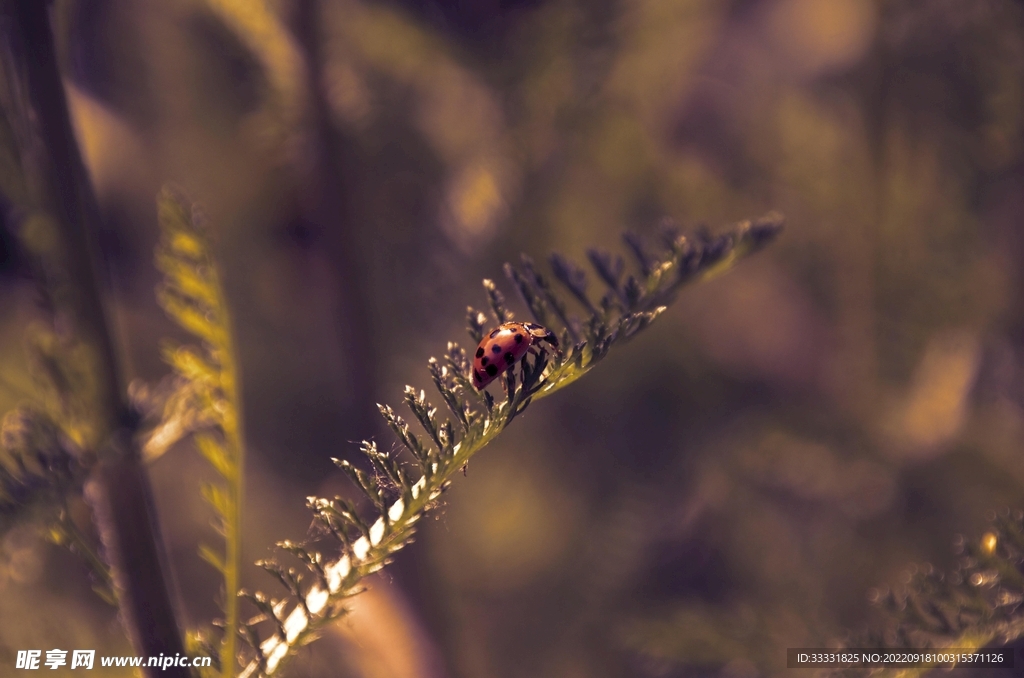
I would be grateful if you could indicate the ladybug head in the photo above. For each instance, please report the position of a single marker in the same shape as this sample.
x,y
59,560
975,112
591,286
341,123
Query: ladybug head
x,y
541,333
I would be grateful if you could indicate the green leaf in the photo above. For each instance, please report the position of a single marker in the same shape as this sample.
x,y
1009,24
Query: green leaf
x,y
212,557
192,295
214,452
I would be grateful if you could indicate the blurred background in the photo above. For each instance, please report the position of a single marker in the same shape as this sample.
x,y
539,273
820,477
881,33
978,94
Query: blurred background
x,y
816,423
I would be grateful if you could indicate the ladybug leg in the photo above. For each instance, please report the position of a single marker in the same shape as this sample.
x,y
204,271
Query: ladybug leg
x,y
554,348
550,339
558,350
465,466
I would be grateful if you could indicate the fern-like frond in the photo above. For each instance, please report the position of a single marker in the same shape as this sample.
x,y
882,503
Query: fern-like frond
x,y
39,467
977,604
628,304
44,449
43,460
205,400
42,471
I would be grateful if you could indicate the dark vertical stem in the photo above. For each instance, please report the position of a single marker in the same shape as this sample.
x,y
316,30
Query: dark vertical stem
x,y
119,489
328,204
122,503
69,193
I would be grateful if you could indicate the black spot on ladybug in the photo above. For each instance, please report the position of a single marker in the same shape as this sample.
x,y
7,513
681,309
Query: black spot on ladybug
x,y
496,348
483,361
492,370
519,338
509,358
494,333
479,352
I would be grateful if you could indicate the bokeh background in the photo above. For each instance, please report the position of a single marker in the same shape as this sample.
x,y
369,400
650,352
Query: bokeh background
x,y
814,424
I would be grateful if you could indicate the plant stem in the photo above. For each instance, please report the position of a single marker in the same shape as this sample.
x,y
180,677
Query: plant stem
x,y
234,436
119,489
327,201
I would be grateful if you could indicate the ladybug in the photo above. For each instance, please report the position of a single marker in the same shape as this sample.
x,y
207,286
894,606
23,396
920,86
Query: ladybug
x,y
504,347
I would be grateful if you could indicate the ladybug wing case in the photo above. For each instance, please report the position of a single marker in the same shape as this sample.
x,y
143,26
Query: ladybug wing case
x,y
499,351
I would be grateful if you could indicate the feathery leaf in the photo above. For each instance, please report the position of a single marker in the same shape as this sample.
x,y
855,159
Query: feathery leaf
x,y
367,545
206,401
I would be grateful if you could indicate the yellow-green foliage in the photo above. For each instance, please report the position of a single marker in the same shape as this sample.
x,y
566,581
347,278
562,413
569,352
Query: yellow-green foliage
x,y
975,605
208,387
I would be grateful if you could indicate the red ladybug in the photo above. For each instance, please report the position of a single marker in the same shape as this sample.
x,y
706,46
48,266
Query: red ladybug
x,y
504,347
